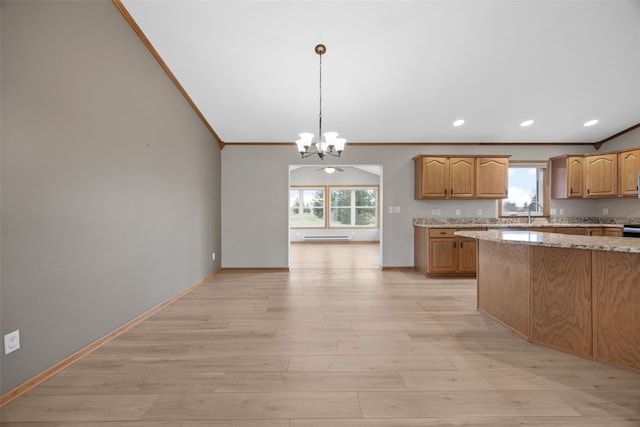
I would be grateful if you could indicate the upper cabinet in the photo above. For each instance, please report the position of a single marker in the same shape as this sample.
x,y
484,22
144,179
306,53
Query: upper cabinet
x,y
613,174
601,175
492,177
444,177
628,170
453,177
567,177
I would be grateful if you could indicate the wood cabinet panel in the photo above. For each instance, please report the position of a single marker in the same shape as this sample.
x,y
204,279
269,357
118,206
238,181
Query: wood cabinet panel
x,y
628,170
567,177
616,320
461,177
612,232
561,299
503,284
443,255
601,175
434,177
492,177
467,255
439,252
420,249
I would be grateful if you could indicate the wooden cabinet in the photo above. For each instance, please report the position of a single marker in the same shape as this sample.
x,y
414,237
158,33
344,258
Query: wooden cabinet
x,y
444,177
601,175
460,177
612,232
467,255
628,170
439,252
492,177
567,177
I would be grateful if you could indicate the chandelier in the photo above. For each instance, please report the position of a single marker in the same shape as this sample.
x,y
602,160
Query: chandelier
x,y
331,145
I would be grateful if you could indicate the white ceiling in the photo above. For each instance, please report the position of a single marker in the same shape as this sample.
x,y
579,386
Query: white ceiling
x,y
403,71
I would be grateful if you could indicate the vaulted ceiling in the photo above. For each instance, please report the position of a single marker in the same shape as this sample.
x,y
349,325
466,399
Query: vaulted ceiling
x,y
403,71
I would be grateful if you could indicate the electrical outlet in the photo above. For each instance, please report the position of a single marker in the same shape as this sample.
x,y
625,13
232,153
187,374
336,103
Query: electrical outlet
x,y
213,256
396,209
605,211
458,212
433,212
561,211
390,209
11,342
479,212
552,211
437,212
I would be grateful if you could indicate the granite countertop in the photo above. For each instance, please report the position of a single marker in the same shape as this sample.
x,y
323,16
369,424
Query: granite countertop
x,y
597,243
519,223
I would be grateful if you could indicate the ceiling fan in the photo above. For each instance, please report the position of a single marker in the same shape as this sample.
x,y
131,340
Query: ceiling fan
x,y
331,169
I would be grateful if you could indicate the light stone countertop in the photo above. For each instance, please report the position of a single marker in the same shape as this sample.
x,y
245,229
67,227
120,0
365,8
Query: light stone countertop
x,y
519,222
534,238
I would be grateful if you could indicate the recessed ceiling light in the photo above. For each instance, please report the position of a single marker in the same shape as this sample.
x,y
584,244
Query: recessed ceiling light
x,y
458,122
590,123
526,123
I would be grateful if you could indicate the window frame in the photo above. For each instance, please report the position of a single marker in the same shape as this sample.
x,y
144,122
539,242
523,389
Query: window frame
x,y
546,189
327,205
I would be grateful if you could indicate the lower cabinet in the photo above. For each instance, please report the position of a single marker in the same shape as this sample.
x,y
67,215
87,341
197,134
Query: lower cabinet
x,y
439,252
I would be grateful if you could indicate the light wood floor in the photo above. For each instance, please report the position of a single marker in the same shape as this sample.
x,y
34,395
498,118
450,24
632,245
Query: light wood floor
x,y
328,347
334,255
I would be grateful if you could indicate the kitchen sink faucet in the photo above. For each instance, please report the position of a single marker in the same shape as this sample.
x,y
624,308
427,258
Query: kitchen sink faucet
x,y
531,205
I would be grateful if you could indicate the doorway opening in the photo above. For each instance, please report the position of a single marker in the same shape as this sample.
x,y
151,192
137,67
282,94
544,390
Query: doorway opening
x,y
335,216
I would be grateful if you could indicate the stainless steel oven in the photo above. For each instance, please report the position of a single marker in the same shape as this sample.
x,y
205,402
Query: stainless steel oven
x,y
631,230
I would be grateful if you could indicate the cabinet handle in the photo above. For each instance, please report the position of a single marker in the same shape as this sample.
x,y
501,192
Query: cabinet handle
x,y
571,190
454,244
451,192
445,191
588,191
460,245
443,233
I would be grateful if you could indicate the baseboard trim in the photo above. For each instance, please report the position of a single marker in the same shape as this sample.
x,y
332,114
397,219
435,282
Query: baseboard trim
x,y
265,269
392,268
67,361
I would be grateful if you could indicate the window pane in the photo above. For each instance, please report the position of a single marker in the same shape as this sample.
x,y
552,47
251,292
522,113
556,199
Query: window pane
x,y
340,216
366,197
340,197
525,187
306,207
365,216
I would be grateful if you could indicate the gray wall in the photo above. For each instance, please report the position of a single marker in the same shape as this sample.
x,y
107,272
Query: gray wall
x,y
110,182
255,197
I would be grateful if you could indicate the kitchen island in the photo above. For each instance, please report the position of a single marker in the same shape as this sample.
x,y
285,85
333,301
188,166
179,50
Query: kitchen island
x,y
578,294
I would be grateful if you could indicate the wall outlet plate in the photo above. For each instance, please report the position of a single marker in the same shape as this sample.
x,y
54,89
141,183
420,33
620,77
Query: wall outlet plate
x,y
11,342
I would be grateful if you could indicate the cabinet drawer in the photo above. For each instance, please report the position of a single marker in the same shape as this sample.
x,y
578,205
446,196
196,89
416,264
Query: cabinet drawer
x,y
442,232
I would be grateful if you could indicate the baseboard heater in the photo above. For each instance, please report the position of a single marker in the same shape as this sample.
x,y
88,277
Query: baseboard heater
x,y
325,238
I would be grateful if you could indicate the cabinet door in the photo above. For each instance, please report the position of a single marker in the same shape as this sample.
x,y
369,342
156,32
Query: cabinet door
x,y
595,231
629,167
462,177
492,176
435,177
443,255
575,176
612,232
567,177
466,255
601,175
579,231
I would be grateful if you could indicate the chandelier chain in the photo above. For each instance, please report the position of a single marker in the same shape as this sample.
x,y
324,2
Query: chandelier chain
x,y
320,113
